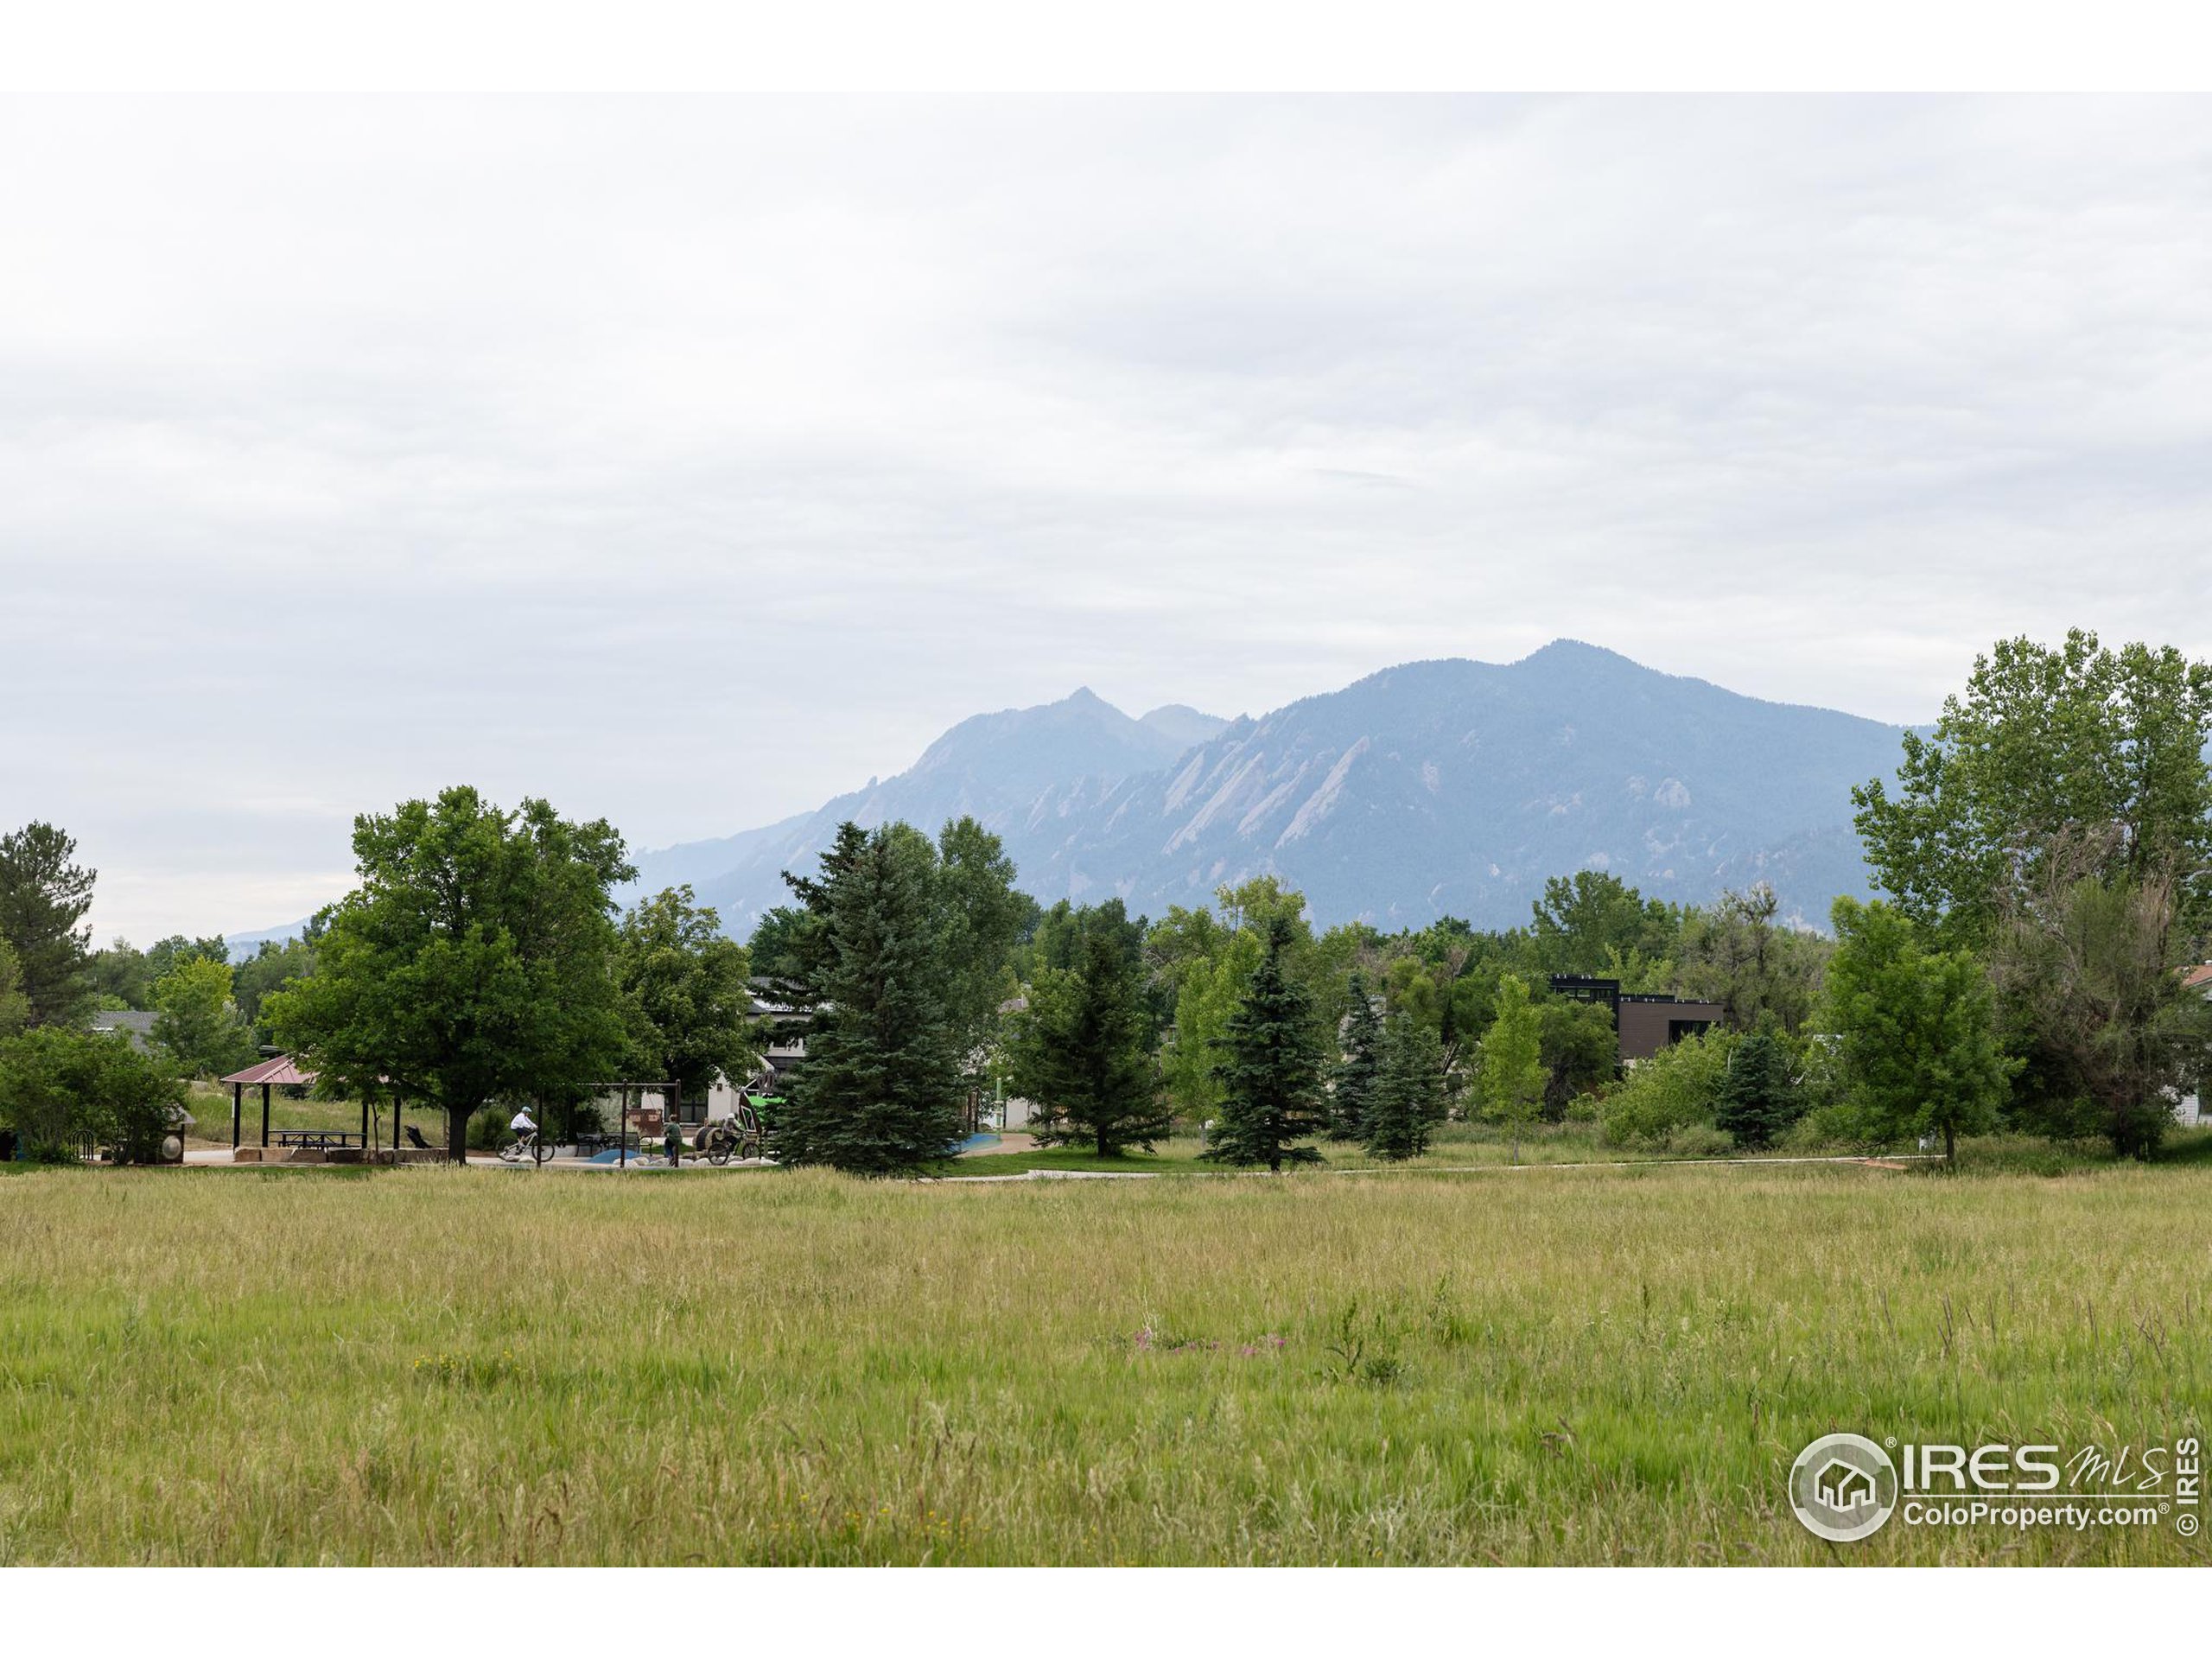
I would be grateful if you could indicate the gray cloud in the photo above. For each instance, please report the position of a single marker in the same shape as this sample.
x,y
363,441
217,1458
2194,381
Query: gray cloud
x,y
688,460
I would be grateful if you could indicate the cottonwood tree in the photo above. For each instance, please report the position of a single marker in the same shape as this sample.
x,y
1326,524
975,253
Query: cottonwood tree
x,y
14,1007
1592,920
2047,742
980,915
1734,952
199,1026
1408,1099
44,894
686,994
1269,1066
273,965
1916,1029
2088,970
1513,1075
1579,1048
879,1092
473,962
1082,1049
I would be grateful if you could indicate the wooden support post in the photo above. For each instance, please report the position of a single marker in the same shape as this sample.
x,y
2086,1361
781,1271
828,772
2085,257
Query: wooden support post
x,y
238,1112
264,1114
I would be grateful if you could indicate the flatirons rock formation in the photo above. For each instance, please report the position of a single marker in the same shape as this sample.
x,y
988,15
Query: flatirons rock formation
x,y
1435,788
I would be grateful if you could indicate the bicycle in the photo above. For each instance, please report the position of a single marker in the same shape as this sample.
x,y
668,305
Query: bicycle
x,y
531,1146
729,1138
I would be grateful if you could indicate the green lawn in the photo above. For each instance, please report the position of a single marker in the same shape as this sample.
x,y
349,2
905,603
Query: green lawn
x,y
439,1365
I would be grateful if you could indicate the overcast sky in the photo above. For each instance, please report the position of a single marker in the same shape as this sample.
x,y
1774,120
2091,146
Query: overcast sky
x,y
687,461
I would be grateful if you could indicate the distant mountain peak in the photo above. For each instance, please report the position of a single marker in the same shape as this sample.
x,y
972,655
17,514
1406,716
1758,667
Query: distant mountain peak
x,y
1445,786
1183,724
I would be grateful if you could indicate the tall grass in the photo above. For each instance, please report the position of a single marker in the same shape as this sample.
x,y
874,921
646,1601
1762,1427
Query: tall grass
x,y
439,1365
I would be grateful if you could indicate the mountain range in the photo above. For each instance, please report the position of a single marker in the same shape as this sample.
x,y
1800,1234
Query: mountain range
x,y
1435,788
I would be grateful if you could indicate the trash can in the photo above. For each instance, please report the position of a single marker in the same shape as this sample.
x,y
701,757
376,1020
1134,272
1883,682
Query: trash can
x,y
175,1123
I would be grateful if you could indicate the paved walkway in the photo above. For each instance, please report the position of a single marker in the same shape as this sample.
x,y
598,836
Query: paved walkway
x,y
1443,1169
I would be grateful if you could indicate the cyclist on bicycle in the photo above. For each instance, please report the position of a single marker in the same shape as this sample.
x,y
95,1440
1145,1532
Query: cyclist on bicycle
x,y
524,1129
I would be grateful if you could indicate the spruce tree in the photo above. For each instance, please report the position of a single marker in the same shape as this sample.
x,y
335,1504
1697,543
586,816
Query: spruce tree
x,y
880,1091
1270,1068
1410,1094
1082,1050
1758,1098
44,894
1360,1071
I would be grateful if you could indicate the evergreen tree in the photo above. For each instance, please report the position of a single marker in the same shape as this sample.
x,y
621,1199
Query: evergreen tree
x,y
879,1092
1410,1094
1270,1067
43,899
1360,1071
1758,1098
1082,1050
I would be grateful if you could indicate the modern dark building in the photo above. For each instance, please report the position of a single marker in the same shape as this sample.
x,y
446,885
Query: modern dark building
x,y
1644,1023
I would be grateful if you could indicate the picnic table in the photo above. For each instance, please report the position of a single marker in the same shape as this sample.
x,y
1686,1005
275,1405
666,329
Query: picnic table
x,y
319,1139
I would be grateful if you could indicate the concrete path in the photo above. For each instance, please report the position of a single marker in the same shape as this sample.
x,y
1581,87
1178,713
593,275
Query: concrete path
x,y
1437,1169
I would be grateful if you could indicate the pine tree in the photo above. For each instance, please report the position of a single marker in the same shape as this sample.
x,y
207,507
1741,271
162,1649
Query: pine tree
x,y
1409,1096
1270,1069
879,1092
1082,1050
1360,1071
1758,1097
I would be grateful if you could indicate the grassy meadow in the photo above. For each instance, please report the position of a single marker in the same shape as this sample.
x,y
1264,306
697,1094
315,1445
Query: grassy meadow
x,y
485,1365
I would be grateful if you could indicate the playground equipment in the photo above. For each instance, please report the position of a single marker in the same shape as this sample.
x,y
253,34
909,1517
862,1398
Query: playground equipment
x,y
737,1135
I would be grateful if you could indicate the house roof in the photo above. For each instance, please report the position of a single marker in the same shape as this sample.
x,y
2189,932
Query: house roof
x,y
278,1071
2198,979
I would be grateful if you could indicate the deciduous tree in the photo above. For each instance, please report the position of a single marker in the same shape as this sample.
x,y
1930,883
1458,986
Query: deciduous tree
x,y
199,1026
2046,742
2089,976
684,986
1512,1060
1916,1029
473,962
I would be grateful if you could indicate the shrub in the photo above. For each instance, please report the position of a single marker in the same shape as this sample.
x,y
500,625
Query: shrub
x,y
1679,1085
61,1088
1700,1140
